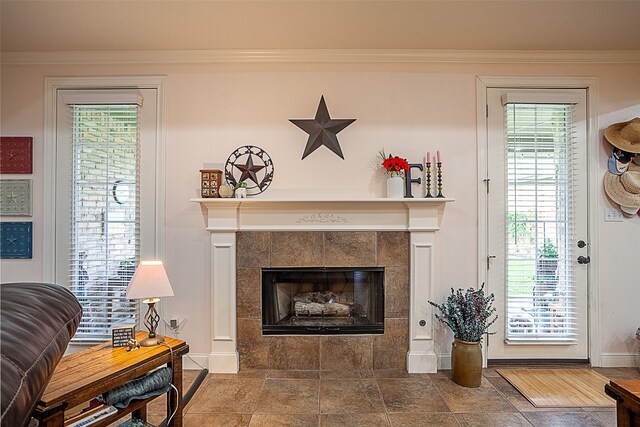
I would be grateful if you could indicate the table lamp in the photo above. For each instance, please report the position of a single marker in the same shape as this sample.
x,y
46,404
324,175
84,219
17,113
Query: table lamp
x,y
149,282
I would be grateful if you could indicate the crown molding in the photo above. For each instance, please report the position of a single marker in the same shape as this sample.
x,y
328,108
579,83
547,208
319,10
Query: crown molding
x,y
324,56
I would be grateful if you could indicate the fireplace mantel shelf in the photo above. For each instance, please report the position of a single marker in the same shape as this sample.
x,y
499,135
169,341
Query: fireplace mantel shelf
x,y
321,213
257,201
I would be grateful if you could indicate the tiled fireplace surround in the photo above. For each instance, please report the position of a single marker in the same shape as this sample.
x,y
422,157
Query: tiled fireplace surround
x,y
249,234
256,250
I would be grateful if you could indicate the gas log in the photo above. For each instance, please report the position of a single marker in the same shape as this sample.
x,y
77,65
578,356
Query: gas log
x,y
323,304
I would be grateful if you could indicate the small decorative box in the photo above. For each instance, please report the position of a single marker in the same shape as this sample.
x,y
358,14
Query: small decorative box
x,y
120,335
210,182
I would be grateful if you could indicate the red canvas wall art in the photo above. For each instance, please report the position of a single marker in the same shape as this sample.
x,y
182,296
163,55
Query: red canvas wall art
x,y
16,154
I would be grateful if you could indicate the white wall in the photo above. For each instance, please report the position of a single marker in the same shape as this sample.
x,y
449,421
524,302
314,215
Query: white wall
x,y
405,108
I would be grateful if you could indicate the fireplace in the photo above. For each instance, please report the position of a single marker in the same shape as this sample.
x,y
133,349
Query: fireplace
x,y
399,235
310,301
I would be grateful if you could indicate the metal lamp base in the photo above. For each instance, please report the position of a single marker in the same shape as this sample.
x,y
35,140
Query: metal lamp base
x,y
151,320
151,341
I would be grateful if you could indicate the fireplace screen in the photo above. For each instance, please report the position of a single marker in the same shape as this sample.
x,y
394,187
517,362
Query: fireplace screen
x,y
323,301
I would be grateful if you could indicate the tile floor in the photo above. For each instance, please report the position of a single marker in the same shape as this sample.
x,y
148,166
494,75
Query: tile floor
x,y
371,399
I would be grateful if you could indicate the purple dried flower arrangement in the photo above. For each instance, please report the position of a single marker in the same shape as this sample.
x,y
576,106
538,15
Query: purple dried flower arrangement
x,y
467,313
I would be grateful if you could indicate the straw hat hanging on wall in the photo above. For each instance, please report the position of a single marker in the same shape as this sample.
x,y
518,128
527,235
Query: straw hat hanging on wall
x,y
625,135
624,189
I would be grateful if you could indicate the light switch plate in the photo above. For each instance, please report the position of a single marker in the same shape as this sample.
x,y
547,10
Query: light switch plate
x,y
612,215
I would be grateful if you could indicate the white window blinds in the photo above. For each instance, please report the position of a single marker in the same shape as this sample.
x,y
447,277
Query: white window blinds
x,y
105,211
540,182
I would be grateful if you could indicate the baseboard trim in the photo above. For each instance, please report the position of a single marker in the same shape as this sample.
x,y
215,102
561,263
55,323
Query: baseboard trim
x,y
224,363
444,361
421,362
608,360
536,362
619,360
195,361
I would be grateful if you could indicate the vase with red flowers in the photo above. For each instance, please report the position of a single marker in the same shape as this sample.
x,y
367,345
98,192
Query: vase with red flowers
x,y
395,167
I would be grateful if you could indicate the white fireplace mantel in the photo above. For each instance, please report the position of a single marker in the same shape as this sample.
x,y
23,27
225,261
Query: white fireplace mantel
x,y
422,217
376,214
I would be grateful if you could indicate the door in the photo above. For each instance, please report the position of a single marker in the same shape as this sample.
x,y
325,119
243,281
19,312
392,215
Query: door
x,y
537,241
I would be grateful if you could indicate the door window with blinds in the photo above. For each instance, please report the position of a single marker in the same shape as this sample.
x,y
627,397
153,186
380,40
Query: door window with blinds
x,y
540,171
101,143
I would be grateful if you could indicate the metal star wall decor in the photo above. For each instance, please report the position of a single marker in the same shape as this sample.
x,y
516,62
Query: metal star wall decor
x,y
250,164
322,130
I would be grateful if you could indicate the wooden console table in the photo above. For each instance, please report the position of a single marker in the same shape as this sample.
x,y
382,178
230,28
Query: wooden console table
x,y
82,376
627,396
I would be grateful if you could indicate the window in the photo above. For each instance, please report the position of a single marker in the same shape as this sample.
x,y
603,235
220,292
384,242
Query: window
x,y
105,214
106,150
539,156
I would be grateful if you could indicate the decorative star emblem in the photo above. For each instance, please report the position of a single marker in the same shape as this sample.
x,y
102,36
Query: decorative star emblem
x,y
12,198
322,130
249,170
12,240
242,161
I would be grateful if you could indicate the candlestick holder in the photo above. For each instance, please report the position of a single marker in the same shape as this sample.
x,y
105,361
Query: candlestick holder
x,y
439,174
428,180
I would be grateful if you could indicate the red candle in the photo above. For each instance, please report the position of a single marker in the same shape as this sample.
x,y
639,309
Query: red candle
x,y
438,156
428,157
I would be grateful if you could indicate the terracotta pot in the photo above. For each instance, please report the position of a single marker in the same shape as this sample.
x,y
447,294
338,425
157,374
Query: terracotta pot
x,y
466,363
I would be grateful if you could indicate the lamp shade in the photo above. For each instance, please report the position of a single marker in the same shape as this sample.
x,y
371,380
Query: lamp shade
x,y
150,280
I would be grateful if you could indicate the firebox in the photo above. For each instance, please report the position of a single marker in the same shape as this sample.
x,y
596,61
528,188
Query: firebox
x,y
322,301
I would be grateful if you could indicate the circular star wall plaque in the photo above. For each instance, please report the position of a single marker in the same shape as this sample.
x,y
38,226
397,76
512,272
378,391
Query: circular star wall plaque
x,y
252,165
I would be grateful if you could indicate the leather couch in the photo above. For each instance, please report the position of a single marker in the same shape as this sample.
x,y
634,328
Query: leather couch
x,y
37,321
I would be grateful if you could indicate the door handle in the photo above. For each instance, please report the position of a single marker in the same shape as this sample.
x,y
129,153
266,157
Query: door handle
x,y
584,259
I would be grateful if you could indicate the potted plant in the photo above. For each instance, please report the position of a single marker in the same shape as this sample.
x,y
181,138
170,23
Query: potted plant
x,y
547,259
241,190
545,284
395,167
468,315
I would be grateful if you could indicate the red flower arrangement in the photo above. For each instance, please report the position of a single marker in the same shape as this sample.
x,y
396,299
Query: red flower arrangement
x,y
394,165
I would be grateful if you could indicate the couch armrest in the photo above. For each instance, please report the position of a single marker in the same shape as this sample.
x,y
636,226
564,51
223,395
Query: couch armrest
x,y
37,322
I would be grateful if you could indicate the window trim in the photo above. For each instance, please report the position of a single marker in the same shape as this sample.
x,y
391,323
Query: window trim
x,y
527,82
52,85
